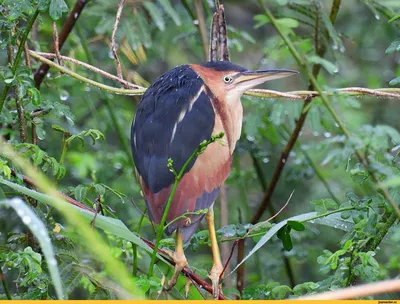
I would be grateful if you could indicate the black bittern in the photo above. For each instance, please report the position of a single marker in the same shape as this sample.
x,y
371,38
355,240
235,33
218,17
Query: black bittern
x,y
180,110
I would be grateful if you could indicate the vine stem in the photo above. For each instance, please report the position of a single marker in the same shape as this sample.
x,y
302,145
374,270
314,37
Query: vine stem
x,y
3,280
18,56
178,177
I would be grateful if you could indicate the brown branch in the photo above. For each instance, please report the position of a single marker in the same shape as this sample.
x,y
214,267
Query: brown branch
x,y
357,291
223,40
21,116
195,278
66,30
201,23
213,54
113,37
27,57
56,43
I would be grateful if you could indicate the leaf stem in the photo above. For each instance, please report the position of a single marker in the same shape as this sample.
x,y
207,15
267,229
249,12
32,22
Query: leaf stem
x,y
18,56
327,213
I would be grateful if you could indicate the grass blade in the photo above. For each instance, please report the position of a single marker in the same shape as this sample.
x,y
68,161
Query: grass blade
x,y
39,230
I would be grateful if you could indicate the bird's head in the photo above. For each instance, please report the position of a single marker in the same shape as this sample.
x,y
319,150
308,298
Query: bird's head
x,y
229,81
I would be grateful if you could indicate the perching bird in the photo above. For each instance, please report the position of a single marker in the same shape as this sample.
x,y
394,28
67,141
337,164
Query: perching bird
x,y
181,109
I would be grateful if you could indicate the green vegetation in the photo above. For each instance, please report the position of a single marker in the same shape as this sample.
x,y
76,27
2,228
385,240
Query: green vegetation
x,y
321,156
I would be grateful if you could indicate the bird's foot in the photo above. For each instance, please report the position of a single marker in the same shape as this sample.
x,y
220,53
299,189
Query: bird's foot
x,y
180,263
214,275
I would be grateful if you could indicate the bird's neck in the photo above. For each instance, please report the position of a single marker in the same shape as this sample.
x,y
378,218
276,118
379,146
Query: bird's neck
x,y
228,119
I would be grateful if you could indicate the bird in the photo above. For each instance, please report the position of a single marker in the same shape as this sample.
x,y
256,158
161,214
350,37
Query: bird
x,y
184,107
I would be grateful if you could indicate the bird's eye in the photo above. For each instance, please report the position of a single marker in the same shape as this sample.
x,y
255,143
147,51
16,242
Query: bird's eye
x,y
228,79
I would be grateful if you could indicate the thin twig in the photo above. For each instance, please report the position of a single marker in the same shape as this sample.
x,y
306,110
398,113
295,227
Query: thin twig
x,y
21,116
87,80
69,23
56,43
113,37
272,217
201,24
125,83
27,58
357,291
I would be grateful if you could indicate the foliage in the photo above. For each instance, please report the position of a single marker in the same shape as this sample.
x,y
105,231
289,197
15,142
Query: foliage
x,y
332,233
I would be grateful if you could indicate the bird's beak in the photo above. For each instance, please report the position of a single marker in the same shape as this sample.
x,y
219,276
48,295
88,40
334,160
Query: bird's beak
x,y
249,79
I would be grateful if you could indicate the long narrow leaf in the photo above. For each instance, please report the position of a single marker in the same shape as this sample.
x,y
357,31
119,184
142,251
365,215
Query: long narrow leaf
x,y
39,230
111,225
271,233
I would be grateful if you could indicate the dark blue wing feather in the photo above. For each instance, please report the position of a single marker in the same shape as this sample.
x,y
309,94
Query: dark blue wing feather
x,y
153,126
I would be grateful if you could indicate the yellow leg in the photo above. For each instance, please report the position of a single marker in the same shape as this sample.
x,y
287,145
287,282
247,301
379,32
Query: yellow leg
x,y
179,259
217,268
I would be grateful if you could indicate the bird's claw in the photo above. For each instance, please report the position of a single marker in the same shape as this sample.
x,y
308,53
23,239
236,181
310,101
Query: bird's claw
x,y
214,275
180,263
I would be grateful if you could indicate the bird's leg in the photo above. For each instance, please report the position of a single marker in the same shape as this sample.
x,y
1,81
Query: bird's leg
x,y
217,268
179,259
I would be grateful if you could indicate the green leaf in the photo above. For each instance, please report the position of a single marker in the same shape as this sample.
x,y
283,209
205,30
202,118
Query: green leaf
x,y
35,94
281,292
166,4
337,42
262,19
80,192
394,18
39,230
155,15
266,237
306,287
296,225
288,23
395,81
323,205
393,47
287,242
328,66
57,8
